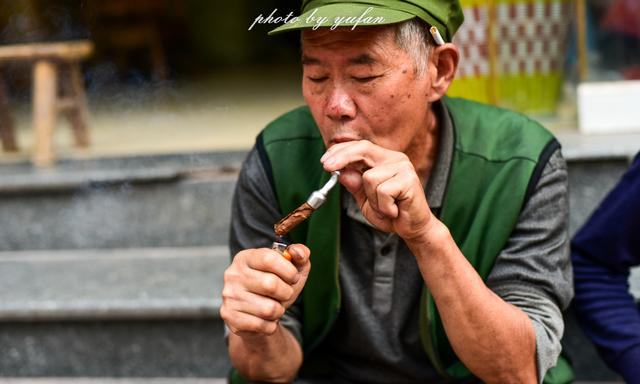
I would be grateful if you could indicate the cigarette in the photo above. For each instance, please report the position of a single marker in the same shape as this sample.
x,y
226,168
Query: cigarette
x,y
436,35
300,214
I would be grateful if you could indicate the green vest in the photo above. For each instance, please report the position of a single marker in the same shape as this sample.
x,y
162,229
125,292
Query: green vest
x,y
497,160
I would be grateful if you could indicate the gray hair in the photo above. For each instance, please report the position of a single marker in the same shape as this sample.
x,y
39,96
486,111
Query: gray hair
x,y
413,37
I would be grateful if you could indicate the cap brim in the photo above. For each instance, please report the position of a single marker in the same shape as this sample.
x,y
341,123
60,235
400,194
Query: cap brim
x,y
344,15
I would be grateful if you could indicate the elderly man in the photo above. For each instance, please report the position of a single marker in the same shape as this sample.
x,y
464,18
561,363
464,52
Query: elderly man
x,y
442,257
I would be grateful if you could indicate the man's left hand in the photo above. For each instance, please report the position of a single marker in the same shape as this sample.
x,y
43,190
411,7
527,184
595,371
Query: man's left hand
x,y
385,185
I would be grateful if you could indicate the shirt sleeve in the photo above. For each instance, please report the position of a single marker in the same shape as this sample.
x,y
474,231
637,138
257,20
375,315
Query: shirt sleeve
x,y
254,210
602,253
533,271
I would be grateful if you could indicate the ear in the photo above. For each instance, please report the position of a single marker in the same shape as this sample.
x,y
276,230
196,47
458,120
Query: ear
x,y
444,62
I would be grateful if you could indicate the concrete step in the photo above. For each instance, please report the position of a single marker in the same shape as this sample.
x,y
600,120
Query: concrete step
x,y
113,313
163,201
110,284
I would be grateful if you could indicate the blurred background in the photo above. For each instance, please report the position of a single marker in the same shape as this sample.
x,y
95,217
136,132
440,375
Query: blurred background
x,y
164,75
124,124
167,76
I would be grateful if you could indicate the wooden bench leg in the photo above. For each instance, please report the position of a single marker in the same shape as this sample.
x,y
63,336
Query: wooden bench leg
x,y
79,115
7,134
44,111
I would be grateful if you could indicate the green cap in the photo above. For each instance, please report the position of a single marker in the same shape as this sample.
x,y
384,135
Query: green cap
x,y
445,15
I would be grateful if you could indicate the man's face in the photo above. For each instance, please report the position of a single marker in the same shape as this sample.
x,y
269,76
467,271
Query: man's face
x,y
361,85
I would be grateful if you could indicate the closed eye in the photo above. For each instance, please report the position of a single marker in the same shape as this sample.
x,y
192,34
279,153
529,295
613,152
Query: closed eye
x,y
317,79
365,79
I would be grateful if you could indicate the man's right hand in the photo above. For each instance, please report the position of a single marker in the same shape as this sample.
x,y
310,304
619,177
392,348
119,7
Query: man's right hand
x,y
259,286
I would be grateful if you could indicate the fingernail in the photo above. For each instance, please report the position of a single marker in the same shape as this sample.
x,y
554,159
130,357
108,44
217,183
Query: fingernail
x,y
330,161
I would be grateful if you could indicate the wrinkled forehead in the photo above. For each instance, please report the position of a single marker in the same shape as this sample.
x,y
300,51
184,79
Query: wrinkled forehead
x,y
346,36
359,46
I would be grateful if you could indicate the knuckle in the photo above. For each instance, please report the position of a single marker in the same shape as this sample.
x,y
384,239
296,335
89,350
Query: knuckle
x,y
411,176
368,177
270,285
229,275
405,163
383,189
227,316
227,294
273,310
412,170
269,327
241,256
223,312
403,157
269,258
253,326
288,294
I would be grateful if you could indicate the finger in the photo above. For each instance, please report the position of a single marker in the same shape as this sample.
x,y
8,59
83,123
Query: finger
x,y
261,283
370,181
267,284
336,147
268,260
344,154
386,196
392,192
239,322
256,305
374,177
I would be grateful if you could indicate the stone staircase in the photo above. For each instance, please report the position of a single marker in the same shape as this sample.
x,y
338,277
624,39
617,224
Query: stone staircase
x,y
111,269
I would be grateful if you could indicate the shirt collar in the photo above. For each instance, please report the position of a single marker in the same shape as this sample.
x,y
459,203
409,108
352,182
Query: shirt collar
x,y
437,182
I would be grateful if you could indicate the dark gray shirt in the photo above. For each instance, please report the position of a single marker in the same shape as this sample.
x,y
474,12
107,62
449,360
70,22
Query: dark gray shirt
x,y
376,337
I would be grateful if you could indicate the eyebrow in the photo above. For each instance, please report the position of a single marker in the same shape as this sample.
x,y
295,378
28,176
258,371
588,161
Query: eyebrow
x,y
308,60
364,59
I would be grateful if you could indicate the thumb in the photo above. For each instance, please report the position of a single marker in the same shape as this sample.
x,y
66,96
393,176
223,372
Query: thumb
x,y
300,255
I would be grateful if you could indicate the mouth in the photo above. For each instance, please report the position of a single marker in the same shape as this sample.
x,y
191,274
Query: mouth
x,y
342,139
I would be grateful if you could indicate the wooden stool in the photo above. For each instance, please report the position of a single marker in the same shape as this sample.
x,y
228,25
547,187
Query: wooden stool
x,y
53,63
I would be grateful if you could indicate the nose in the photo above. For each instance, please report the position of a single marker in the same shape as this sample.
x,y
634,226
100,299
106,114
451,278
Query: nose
x,y
340,106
